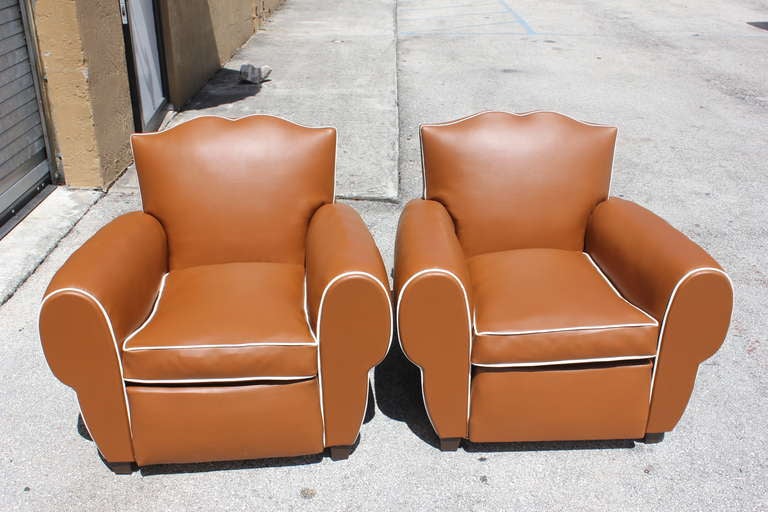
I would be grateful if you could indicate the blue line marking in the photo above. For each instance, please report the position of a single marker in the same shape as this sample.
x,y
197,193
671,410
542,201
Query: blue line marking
x,y
528,29
473,34
505,9
453,30
452,16
439,7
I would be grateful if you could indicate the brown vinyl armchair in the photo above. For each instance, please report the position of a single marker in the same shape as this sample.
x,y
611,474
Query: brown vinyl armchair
x,y
237,317
536,307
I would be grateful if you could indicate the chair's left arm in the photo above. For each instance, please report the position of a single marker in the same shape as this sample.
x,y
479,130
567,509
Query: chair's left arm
x,y
101,294
350,311
663,272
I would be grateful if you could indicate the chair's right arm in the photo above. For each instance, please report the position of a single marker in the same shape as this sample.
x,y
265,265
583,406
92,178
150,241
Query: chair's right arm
x,y
349,306
433,293
659,269
101,294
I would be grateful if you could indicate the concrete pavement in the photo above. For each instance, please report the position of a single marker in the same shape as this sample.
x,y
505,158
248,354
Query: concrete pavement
x,y
30,242
333,65
686,84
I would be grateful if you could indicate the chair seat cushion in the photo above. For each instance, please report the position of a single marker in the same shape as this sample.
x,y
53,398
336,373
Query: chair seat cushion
x,y
228,322
551,306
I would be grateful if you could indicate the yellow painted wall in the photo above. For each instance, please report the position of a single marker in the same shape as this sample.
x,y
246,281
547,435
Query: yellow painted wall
x,y
86,79
200,35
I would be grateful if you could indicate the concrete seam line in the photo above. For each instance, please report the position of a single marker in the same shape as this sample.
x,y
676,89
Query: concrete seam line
x,y
44,257
396,42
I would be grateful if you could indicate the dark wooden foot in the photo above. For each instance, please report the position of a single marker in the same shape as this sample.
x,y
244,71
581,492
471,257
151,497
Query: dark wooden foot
x,y
120,468
450,444
340,452
653,438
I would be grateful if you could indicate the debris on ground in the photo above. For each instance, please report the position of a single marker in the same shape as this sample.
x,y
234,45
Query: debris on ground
x,y
253,75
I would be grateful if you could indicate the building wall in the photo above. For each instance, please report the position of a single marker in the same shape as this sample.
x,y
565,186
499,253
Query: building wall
x,y
66,81
110,95
264,8
200,35
86,79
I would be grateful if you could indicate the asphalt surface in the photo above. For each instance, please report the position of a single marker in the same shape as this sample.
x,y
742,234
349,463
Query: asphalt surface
x,y
687,85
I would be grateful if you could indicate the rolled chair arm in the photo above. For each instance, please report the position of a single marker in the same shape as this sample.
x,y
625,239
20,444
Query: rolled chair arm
x,y
101,294
350,310
660,270
433,291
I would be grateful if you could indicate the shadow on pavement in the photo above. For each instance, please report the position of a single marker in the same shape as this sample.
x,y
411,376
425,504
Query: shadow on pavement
x,y
398,393
203,467
225,87
206,467
370,410
275,462
544,446
82,429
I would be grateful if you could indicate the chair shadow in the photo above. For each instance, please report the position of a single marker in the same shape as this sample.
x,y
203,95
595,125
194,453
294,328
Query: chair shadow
x,y
398,394
207,467
370,410
82,429
224,87
547,446
273,462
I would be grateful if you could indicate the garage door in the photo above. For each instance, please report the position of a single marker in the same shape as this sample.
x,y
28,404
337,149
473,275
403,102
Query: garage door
x,y
24,163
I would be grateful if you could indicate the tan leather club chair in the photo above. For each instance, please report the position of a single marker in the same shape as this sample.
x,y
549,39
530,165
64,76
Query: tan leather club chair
x,y
537,307
237,317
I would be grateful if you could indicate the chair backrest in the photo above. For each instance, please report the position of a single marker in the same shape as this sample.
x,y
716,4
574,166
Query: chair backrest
x,y
518,181
235,190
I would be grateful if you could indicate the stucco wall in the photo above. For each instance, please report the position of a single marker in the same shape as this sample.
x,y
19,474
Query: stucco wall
x,y
101,33
263,8
66,73
200,35
86,77
83,59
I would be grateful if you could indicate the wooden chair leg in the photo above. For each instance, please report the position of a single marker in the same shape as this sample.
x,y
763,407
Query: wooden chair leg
x,y
449,444
340,452
120,468
653,438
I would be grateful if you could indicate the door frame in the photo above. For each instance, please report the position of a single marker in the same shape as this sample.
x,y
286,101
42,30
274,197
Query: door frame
x,y
133,80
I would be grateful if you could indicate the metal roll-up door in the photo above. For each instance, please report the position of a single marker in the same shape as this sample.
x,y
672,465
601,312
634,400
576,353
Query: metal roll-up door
x,y
24,158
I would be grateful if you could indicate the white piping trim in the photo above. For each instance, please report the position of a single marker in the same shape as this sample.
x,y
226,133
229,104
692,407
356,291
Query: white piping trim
x,y
653,323
368,392
228,345
158,296
111,333
234,119
306,310
600,271
204,381
669,307
469,325
610,174
368,388
319,319
563,329
225,345
564,361
83,418
349,274
483,112
423,181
